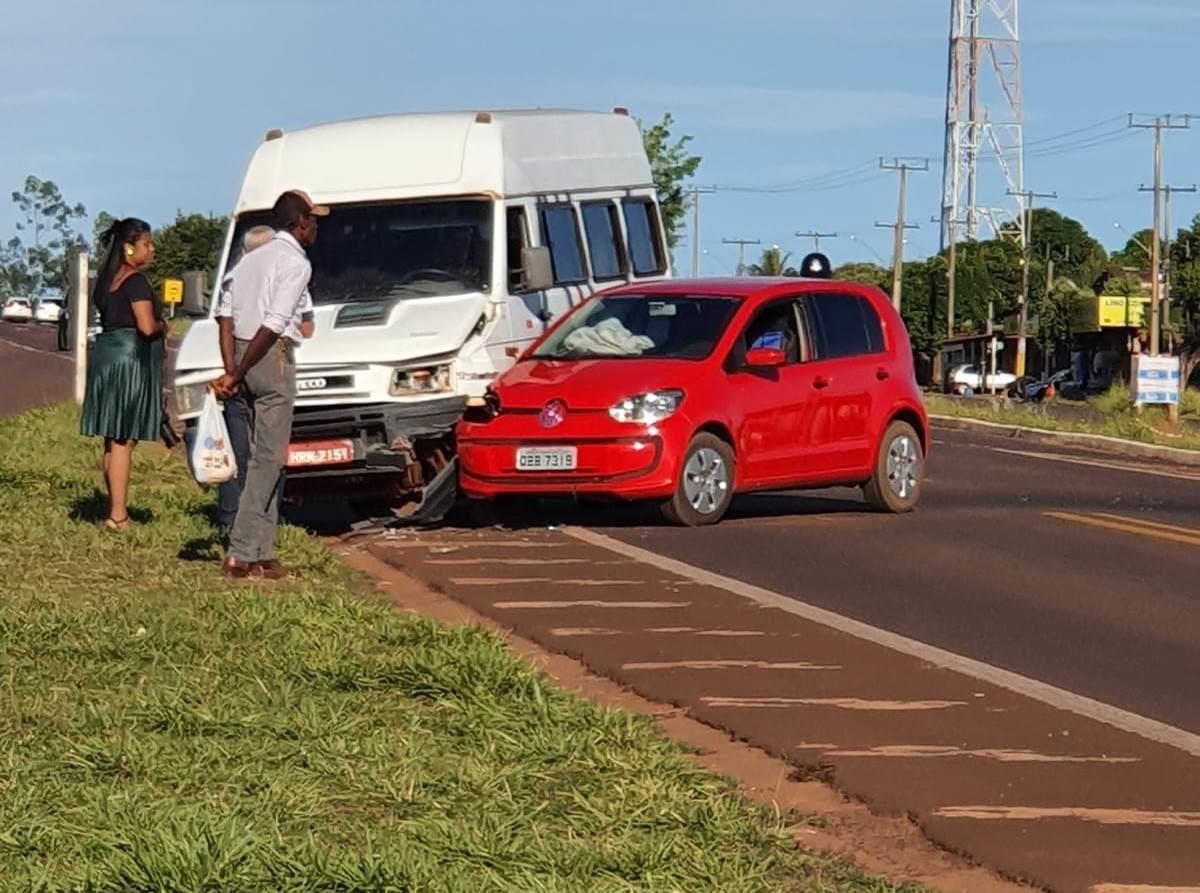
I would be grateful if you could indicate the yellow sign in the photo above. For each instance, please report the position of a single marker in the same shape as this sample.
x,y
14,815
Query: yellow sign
x,y
172,291
1120,312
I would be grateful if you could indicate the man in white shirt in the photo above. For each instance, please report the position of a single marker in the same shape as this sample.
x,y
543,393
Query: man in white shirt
x,y
238,419
267,296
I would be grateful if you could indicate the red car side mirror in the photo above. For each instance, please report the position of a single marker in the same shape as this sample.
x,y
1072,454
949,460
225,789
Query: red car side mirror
x,y
765,358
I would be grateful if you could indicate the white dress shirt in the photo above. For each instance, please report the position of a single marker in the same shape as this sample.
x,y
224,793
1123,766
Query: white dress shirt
x,y
268,287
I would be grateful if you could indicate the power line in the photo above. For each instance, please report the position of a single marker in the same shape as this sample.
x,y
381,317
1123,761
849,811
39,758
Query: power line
x,y
901,166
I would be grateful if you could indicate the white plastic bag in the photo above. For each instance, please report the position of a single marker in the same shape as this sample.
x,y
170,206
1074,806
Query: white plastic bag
x,y
213,461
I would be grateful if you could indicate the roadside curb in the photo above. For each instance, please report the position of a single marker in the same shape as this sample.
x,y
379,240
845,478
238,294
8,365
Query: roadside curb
x,y
1113,446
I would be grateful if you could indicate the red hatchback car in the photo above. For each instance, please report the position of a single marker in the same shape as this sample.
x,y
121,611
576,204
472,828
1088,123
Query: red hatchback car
x,y
687,392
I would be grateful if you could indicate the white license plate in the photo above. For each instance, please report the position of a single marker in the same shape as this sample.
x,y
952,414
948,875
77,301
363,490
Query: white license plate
x,y
547,458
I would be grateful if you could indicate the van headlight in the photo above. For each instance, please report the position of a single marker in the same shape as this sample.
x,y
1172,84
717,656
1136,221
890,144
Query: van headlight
x,y
646,409
189,398
423,380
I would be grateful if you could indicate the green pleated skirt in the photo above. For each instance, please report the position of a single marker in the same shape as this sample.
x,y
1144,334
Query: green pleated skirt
x,y
123,400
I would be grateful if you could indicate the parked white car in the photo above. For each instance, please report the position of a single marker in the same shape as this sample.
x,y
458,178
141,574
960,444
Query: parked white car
x,y
17,310
47,310
969,376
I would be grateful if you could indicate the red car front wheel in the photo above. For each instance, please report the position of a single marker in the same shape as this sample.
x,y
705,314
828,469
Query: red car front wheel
x,y
704,490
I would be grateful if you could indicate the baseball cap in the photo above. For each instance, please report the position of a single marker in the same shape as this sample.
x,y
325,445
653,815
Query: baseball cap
x,y
293,205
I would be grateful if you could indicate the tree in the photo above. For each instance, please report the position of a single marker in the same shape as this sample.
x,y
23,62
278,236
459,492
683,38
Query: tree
x,y
99,226
670,164
872,274
191,242
773,262
1075,253
47,234
1136,253
1056,309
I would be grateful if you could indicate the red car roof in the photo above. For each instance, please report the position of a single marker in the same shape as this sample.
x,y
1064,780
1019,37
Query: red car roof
x,y
740,287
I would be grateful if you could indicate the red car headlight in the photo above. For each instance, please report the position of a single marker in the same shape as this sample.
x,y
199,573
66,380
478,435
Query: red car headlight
x,y
646,409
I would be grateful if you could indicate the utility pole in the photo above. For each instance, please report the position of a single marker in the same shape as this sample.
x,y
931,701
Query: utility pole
x,y
816,237
903,165
1165,273
695,192
1158,125
741,244
1027,198
951,270
1049,288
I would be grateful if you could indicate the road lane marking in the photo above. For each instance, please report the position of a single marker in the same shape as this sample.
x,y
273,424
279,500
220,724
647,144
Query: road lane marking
x,y
1120,524
726,665
1051,695
568,632
1099,816
449,546
1100,463
1141,888
586,603
45,353
691,630
840,703
929,752
505,581
514,561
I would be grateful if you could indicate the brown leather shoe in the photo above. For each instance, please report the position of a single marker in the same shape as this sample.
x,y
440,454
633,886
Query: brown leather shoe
x,y
232,569
270,570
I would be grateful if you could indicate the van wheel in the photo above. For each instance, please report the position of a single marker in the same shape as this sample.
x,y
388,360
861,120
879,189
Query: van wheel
x,y
895,485
704,490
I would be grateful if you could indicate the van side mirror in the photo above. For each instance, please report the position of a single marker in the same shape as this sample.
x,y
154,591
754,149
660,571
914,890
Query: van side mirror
x,y
195,299
537,274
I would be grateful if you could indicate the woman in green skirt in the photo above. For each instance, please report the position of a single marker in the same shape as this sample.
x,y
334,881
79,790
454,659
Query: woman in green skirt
x,y
123,402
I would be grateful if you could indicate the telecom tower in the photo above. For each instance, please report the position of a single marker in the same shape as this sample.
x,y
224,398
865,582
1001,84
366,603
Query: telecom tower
x,y
983,168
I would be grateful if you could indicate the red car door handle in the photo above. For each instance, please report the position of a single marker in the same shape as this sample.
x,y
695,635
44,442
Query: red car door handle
x,y
820,382
882,374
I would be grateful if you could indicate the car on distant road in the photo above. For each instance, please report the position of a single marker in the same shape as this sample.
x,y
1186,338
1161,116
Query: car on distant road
x,y
17,310
687,392
970,377
47,310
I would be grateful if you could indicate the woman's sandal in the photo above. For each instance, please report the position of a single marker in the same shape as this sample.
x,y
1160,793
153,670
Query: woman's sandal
x,y
120,526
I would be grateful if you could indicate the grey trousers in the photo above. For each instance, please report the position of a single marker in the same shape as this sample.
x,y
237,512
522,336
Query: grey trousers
x,y
271,390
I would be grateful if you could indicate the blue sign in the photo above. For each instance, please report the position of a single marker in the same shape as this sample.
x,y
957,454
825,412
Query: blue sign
x,y
1156,380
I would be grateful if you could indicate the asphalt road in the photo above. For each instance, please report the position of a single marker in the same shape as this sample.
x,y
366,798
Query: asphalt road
x,y
32,371
1047,564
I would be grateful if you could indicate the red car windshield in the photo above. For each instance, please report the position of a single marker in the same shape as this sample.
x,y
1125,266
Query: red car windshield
x,y
670,327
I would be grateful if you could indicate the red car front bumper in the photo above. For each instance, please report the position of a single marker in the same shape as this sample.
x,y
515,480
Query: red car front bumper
x,y
627,462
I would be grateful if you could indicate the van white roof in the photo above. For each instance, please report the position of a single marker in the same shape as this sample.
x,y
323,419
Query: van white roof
x,y
505,153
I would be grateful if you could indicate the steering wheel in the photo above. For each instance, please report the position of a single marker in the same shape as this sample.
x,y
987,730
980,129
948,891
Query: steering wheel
x,y
429,273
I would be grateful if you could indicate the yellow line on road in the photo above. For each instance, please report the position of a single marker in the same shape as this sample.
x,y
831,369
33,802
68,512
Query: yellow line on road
x,y
840,703
1166,532
1000,755
1080,813
726,665
585,603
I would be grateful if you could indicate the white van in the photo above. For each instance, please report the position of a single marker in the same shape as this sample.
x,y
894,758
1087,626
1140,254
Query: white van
x,y
455,239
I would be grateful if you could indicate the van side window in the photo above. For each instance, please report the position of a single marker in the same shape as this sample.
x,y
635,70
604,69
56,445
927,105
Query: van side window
x,y
845,326
603,232
645,238
517,236
561,231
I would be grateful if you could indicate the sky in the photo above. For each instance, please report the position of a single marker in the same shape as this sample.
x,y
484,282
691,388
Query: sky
x,y
147,107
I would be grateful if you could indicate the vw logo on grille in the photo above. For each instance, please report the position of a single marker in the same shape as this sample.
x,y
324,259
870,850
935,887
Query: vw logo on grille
x,y
552,414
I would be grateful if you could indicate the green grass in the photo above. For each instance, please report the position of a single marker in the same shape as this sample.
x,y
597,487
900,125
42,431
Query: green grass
x,y
1119,419
161,729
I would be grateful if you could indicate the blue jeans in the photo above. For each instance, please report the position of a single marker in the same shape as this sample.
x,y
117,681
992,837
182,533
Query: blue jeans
x,y
239,419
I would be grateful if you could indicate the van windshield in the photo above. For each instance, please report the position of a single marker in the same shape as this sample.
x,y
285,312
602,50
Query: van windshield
x,y
377,252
